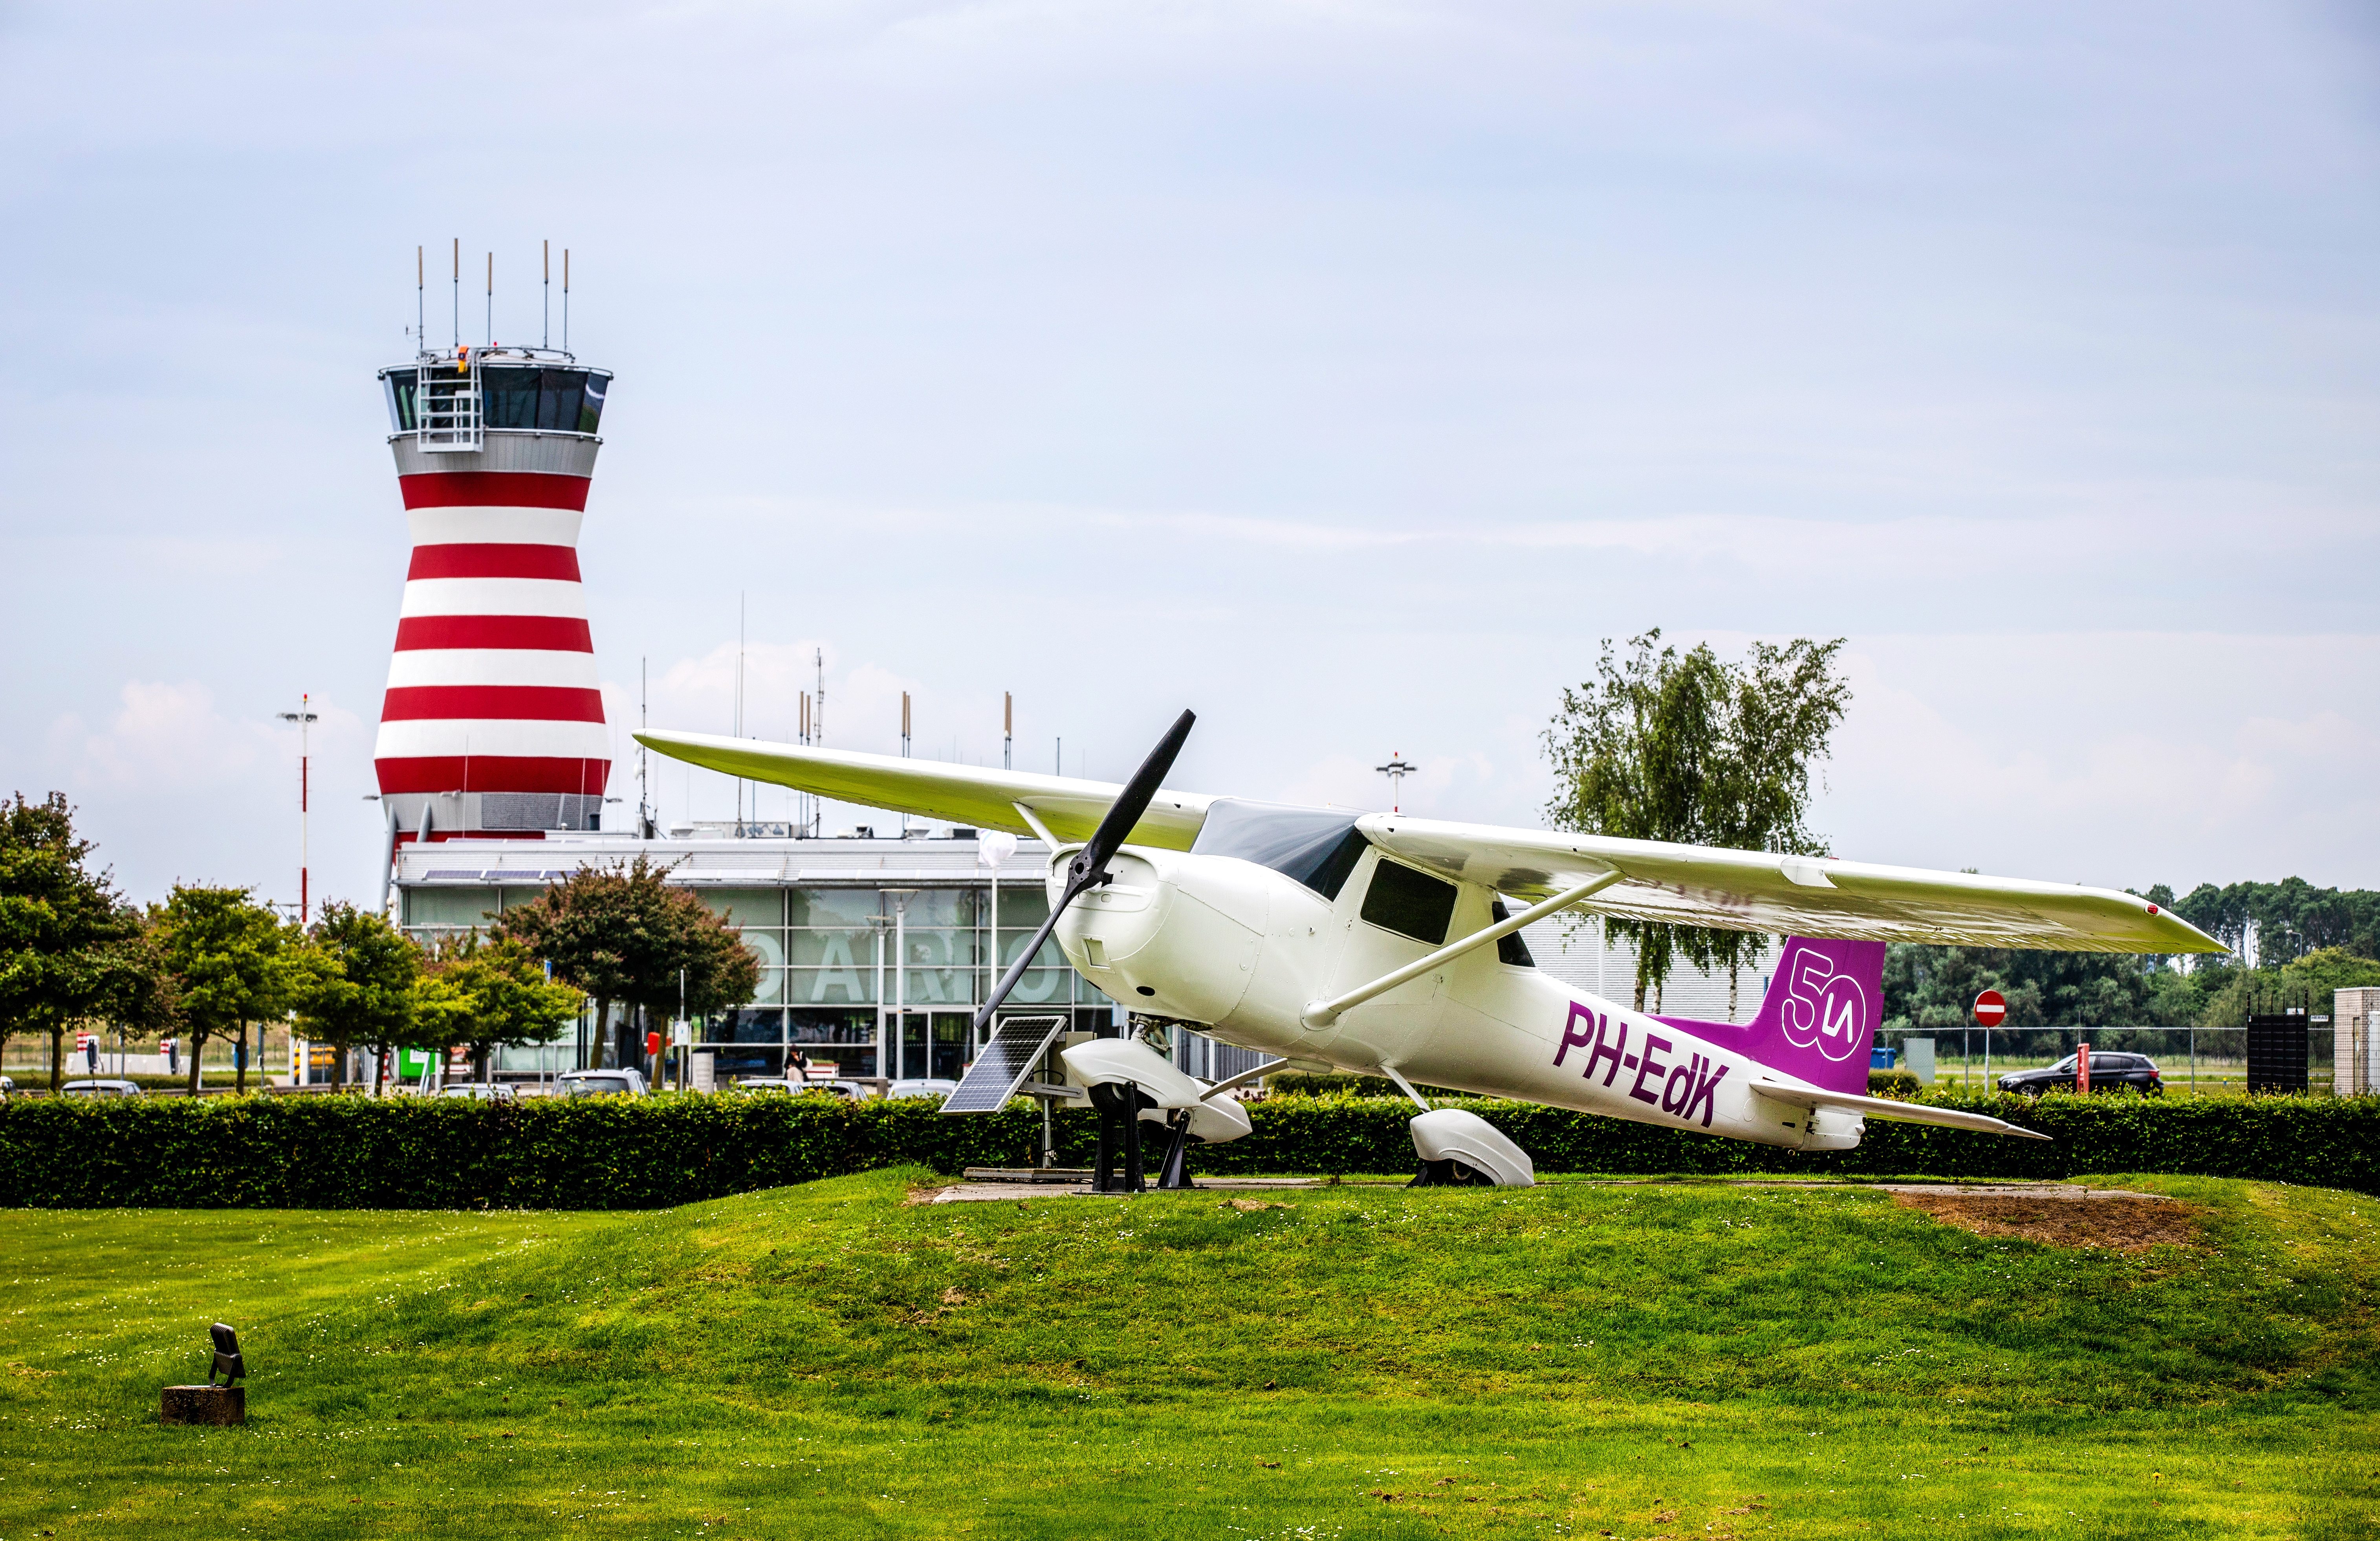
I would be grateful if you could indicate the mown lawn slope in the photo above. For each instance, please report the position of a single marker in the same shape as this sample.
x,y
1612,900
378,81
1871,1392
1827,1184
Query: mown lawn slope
x,y
1568,1360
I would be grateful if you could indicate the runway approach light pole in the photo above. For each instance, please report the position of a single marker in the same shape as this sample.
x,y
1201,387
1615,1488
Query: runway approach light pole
x,y
1396,770
304,716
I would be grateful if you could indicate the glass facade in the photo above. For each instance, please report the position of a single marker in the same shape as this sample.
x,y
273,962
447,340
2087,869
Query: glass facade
x,y
876,983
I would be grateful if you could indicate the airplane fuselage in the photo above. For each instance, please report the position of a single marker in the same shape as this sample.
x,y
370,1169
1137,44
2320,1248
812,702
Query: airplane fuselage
x,y
1243,952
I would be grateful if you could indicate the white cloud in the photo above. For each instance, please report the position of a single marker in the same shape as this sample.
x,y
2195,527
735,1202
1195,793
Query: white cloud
x,y
2113,759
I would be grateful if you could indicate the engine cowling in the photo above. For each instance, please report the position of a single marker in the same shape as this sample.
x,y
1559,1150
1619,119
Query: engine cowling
x,y
1207,940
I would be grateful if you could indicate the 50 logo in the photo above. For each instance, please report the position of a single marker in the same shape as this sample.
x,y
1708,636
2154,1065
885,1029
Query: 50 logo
x,y
1823,1009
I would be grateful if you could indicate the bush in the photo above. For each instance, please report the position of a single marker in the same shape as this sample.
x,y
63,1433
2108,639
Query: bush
x,y
411,1153
1900,1085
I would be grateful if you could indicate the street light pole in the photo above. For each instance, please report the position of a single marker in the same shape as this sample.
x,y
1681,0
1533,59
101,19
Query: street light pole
x,y
304,716
901,897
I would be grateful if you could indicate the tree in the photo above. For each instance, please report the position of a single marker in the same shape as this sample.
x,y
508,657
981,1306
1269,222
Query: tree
x,y
1932,989
1692,749
228,954
70,946
621,934
2270,924
484,993
357,986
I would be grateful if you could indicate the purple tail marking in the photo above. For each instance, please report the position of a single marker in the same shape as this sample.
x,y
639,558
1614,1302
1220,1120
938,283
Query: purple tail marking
x,y
1819,1018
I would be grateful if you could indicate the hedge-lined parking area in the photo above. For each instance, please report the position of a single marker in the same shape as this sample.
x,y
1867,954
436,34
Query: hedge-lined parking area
x,y
411,1153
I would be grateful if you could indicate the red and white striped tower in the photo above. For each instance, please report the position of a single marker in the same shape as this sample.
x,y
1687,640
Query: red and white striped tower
x,y
494,722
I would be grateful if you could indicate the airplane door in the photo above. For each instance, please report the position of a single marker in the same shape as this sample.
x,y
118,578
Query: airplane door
x,y
1390,915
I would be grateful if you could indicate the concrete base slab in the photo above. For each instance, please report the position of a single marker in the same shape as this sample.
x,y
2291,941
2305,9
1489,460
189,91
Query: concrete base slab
x,y
212,1406
994,1184
1017,1192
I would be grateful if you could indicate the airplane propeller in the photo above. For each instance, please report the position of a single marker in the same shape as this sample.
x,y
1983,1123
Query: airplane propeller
x,y
1090,868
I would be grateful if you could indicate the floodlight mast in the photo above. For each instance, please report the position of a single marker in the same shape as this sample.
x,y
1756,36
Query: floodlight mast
x,y
303,718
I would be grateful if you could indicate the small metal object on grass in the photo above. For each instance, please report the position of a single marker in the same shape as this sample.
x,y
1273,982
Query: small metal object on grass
x,y
209,1404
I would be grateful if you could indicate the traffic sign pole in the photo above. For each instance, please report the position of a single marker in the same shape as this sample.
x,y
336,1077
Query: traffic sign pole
x,y
1991,1009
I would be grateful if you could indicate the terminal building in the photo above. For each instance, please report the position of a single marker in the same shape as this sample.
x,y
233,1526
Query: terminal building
x,y
494,758
874,953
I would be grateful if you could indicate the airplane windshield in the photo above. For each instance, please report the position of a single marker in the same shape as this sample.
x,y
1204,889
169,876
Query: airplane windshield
x,y
1319,847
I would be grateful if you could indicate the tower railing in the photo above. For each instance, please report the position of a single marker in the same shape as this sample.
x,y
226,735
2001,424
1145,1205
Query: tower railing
x,y
447,407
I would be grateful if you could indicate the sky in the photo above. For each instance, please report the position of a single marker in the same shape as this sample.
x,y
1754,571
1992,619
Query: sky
x,y
1346,373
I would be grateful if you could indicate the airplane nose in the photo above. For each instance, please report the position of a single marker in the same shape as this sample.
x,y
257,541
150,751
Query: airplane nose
x,y
1157,948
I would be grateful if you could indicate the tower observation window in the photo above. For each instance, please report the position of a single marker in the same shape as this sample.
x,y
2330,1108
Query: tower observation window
x,y
557,400
1319,847
400,384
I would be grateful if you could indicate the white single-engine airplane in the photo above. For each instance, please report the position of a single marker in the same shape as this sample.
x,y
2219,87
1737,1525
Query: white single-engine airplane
x,y
1384,945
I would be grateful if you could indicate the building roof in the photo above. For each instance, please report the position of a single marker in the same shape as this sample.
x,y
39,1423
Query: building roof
x,y
723,862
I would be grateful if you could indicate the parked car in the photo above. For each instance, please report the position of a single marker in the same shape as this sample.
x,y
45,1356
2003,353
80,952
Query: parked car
x,y
923,1086
2109,1071
479,1090
600,1084
102,1089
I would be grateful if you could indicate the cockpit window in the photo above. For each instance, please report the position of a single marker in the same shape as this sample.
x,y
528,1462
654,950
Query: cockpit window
x,y
1510,948
1409,902
1319,847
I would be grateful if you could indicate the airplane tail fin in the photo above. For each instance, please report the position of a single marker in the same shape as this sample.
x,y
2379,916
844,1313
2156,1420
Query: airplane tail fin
x,y
1819,1017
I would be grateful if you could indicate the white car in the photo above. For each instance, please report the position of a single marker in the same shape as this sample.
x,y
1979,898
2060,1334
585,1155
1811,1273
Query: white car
x,y
102,1089
600,1084
924,1086
479,1090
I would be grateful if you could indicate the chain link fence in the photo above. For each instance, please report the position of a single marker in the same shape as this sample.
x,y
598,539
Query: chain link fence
x,y
2201,1062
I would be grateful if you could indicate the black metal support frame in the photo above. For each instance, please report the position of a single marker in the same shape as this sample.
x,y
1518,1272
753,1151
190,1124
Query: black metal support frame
x,y
1118,1103
1450,1173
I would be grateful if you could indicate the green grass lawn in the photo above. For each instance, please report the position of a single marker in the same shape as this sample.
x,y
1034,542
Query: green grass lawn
x,y
1697,1360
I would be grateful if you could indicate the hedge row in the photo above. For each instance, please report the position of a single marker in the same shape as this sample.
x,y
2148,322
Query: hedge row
x,y
408,1153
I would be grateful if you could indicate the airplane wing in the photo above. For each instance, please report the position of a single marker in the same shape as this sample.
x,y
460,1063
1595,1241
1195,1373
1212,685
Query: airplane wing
x,y
973,795
1794,895
1736,890
1885,1107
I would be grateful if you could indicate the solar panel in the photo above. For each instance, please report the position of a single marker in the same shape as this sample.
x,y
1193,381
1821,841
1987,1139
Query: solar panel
x,y
1017,1044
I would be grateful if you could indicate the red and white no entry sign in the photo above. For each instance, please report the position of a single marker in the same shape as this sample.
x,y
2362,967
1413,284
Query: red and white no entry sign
x,y
1991,1008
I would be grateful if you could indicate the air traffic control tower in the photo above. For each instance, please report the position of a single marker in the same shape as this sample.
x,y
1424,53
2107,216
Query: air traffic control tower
x,y
494,720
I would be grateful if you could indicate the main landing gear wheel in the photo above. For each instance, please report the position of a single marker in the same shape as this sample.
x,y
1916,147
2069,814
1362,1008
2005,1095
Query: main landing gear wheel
x,y
1459,1149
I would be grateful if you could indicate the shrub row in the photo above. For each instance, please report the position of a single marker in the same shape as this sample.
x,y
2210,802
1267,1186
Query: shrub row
x,y
347,1152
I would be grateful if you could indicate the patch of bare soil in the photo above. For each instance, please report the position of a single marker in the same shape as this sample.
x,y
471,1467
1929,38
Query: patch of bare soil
x,y
2120,1224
